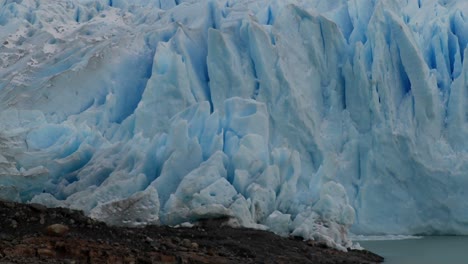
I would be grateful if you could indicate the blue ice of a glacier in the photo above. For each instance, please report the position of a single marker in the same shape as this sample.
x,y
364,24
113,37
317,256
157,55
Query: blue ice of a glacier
x,y
311,118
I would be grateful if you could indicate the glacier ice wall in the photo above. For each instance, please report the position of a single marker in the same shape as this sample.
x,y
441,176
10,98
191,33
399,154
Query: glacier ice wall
x,y
281,114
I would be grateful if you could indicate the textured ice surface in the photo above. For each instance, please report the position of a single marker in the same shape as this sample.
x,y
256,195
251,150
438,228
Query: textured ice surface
x,y
283,114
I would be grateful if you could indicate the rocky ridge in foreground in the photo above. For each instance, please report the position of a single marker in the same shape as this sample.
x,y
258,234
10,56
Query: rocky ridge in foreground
x,y
31,233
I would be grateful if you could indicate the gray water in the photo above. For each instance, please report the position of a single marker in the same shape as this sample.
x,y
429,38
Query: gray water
x,y
426,250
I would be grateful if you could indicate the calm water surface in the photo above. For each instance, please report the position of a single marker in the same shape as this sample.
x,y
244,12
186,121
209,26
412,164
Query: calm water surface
x,y
426,250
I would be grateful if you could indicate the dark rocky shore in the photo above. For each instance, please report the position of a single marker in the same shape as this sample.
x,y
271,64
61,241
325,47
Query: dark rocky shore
x,y
35,234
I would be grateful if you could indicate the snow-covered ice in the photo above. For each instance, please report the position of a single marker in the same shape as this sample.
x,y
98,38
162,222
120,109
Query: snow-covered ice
x,y
302,117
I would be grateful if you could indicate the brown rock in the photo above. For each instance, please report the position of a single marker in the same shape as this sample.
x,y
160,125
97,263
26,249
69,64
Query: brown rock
x,y
60,244
168,259
42,219
45,252
130,260
210,252
169,245
14,224
194,246
186,243
57,230
184,249
38,207
20,251
115,260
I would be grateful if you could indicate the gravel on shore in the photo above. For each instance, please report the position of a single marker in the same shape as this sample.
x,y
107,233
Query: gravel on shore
x,y
31,233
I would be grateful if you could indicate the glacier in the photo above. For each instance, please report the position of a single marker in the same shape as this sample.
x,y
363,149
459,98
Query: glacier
x,y
308,118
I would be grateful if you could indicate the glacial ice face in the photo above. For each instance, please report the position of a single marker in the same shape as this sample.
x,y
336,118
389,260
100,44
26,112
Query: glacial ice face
x,y
281,114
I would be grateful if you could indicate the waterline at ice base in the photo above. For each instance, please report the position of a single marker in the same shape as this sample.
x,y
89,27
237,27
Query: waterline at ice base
x,y
312,118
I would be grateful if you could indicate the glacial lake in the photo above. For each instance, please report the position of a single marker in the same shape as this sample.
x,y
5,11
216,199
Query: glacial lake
x,y
425,250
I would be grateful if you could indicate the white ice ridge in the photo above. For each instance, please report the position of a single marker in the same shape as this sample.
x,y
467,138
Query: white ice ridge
x,y
282,114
